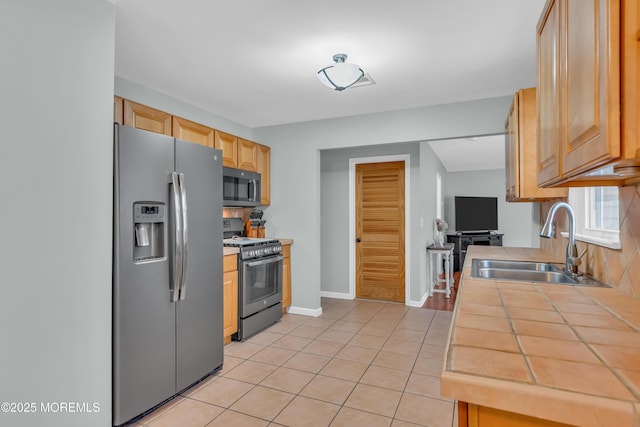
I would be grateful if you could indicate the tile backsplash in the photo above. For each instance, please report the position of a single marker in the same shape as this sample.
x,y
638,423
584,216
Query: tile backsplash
x,y
619,268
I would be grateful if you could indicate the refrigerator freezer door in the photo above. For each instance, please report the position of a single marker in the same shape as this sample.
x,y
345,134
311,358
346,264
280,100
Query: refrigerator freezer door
x,y
199,315
143,314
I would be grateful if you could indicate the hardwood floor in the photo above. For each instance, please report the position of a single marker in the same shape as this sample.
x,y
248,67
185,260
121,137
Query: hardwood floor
x,y
438,301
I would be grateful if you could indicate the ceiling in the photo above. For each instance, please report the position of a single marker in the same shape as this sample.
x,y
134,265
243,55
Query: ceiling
x,y
254,61
466,154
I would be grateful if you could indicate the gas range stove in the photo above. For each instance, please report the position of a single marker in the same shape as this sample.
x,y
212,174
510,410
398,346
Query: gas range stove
x,y
239,241
250,247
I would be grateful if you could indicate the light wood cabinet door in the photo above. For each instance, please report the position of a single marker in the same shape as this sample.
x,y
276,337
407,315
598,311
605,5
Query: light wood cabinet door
x,y
510,151
548,91
264,169
630,92
247,155
521,153
118,109
470,415
286,278
142,117
588,92
590,72
187,130
229,145
230,292
230,296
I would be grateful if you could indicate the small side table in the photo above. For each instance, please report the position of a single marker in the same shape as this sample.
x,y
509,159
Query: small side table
x,y
446,251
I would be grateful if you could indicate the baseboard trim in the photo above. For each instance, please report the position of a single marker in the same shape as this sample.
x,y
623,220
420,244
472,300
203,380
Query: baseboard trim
x,y
337,295
311,312
420,303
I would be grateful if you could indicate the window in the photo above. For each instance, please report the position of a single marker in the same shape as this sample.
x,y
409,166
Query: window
x,y
597,215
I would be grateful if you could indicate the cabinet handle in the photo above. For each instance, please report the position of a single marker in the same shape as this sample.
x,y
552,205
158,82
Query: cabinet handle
x,y
358,240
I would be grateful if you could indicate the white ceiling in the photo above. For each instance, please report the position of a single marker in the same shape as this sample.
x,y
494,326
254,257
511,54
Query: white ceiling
x,y
254,61
466,154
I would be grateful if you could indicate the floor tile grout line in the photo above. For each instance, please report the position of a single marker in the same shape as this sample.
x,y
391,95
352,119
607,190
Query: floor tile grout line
x,y
381,313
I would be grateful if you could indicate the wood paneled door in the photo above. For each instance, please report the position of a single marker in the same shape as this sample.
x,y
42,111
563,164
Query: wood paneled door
x,y
380,213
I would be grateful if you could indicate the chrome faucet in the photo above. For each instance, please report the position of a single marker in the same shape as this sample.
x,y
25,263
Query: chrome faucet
x,y
573,260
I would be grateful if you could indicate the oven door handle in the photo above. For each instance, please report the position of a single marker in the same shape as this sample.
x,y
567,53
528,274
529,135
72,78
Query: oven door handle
x,y
263,261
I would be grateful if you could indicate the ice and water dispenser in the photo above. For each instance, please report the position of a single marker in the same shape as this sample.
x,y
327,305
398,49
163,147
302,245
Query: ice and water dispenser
x,y
149,222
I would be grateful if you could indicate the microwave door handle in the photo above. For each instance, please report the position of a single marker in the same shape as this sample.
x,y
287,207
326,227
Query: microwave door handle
x,y
255,190
177,241
185,234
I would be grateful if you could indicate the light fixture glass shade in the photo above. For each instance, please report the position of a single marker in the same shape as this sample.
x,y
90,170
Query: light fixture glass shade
x,y
340,75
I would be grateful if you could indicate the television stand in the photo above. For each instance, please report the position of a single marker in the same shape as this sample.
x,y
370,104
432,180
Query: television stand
x,y
463,239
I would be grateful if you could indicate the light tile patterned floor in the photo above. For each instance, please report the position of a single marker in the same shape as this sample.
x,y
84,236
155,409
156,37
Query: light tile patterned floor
x,y
362,363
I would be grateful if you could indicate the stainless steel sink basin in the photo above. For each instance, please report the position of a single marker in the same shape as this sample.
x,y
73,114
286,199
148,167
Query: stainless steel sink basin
x,y
516,265
526,271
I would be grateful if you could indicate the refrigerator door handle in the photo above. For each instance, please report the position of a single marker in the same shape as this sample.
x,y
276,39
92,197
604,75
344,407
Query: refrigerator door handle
x,y
185,234
178,234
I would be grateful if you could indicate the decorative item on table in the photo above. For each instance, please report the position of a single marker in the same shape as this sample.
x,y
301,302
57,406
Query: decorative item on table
x,y
439,228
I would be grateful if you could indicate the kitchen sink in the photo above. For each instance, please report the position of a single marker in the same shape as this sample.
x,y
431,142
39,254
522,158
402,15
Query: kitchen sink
x,y
516,265
528,271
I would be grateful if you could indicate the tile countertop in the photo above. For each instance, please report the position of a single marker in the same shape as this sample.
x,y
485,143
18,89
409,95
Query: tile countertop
x,y
556,352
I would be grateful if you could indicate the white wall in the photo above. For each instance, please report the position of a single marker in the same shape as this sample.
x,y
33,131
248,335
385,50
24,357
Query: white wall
x,y
56,160
139,93
295,169
429,166
520,222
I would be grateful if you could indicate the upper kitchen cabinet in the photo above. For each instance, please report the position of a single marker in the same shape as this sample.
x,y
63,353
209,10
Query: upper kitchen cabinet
x,y
193,132
117,109
147,118
264,169
521,153
247,155
587,81
229,145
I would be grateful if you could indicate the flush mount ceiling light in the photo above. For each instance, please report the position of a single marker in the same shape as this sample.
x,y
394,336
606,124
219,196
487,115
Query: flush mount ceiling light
x,y
340,75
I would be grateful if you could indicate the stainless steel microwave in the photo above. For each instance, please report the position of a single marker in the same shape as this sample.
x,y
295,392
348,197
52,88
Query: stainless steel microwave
x,y
240,188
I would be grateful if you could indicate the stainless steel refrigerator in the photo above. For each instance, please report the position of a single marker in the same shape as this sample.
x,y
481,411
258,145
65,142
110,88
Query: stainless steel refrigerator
x,y
167,268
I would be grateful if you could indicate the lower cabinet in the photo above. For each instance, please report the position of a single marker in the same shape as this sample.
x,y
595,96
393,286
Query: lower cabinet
x,y
470,415
286,278
230,296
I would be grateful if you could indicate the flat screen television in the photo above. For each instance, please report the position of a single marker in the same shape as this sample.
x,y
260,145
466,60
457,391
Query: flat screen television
x,y
476,214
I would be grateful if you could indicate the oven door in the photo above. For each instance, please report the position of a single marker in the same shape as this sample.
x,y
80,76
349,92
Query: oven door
x,y
260,284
